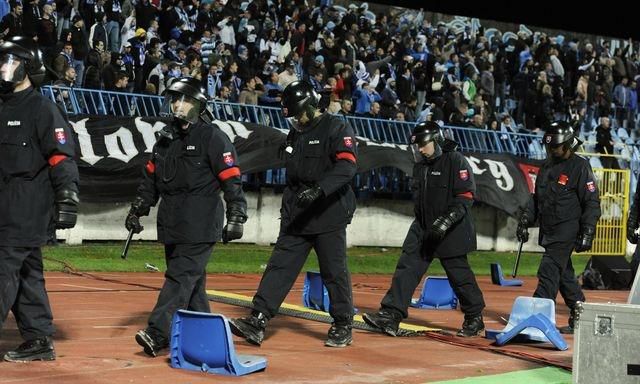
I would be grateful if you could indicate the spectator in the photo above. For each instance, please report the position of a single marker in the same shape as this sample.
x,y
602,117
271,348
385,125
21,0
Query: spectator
x,y
80,45
252,90
63,60
30,18
345,107
374,112
621,100
67,80
272,95
408,108
389,100
11,24
364,95
128,30
98,31
111,70
287,76
604,144
113,9
47,33
138,52
93,73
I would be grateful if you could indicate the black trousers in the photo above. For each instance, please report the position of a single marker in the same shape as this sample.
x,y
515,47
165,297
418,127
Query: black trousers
x,y
184,285
413,264
635,262
23,292
556,274
288,258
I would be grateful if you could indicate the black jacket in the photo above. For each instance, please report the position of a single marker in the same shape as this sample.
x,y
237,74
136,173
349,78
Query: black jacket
x,y
36,160
188,170
439,186
324,154
566,200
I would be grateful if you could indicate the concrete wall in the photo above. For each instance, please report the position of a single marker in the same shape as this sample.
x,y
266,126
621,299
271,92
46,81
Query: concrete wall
x,y
376,223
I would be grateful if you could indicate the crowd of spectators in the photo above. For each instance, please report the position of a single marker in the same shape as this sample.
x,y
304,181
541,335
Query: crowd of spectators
x,y
394,64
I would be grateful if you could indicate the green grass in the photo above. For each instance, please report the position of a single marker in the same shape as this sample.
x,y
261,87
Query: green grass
x,y
249,258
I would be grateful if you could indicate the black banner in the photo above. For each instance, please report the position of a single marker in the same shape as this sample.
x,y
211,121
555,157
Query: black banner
x,y
113,151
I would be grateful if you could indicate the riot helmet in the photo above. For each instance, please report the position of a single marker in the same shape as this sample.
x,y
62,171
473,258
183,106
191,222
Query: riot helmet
x,y
20,58
559,138
424,133
299,100
185,100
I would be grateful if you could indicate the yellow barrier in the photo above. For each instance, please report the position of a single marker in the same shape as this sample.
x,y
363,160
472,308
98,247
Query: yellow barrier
x,y
611,231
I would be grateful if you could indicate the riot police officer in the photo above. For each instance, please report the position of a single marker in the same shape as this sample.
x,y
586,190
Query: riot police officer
x,y
191,162
567,205
317,205
38,183
632,227
443,186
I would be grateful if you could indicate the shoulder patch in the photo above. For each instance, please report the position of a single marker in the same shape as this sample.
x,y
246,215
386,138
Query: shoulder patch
x,y
348,141
464,174
61,137
591,186
228,159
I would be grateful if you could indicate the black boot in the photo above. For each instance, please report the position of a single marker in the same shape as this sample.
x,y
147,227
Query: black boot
x,y
339,335
388,321
151,342
36,349
472,326
251,327
569,329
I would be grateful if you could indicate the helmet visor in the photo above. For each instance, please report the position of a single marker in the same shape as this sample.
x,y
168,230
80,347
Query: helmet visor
x,y
9,68
181,107
415,153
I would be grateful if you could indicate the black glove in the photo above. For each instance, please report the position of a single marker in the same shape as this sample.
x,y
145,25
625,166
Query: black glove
x,y
66,209
232,230
632,225
522,233
585,239
133,222
443,223
307,196
138,208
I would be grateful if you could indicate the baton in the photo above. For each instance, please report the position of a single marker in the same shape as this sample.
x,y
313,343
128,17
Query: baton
x,y
515,266
127,243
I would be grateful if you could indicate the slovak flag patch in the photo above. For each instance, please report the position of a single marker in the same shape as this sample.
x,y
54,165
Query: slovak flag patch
x,y
464,174
61,137
348,141
591,186
228,159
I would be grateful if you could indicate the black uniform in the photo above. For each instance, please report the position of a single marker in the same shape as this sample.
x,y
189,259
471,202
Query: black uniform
x,y
325,154
440,185
36,162
188,169
632,225
566,201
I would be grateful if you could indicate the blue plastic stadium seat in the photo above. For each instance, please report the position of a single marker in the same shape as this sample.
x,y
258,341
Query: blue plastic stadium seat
x,y
314,293
203,342
498,279
436,294
531,318
539,322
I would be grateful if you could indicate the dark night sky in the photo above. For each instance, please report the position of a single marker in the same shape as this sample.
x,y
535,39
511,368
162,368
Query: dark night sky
x,y
616,19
